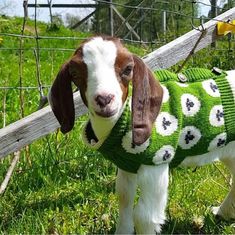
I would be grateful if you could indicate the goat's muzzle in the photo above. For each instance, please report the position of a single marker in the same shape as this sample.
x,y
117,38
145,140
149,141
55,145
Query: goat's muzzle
x,y
104,105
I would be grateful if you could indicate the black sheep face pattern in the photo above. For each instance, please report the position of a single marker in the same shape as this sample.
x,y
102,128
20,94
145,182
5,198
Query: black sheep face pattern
x,y
221,142
216,116
189,137
190,105
211,88
166,124
218,142
164,154
127,144
219,115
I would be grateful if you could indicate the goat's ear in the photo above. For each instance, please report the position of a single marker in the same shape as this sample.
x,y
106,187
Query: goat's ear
x,y
146,101
61,99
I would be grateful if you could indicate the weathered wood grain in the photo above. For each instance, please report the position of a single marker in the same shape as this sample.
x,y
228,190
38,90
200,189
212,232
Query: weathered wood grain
x,y
25,131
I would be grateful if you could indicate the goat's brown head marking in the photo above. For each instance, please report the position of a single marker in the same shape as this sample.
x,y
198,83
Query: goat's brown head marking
x,y
102,68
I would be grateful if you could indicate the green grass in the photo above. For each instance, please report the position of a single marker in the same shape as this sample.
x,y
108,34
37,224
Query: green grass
x,y
61,186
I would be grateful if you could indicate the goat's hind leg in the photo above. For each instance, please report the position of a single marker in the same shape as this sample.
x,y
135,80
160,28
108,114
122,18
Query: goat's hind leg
x,y
227,209
126,184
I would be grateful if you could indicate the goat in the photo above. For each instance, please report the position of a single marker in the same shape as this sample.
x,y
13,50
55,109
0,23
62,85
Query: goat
x,y
146,130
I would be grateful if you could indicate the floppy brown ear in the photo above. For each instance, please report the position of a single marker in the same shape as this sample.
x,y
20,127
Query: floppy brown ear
x,y
146,101
61,99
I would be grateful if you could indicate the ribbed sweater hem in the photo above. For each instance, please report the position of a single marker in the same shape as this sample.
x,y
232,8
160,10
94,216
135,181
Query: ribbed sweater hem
x,y
227,99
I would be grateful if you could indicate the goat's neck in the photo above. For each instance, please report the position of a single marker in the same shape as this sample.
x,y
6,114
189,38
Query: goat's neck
x,y
103,126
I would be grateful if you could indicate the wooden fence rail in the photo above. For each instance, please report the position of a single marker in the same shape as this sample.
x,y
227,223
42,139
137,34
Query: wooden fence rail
x,y
177,50
25,131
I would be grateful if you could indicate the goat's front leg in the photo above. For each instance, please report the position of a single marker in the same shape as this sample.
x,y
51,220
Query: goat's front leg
x,y
126,188
149,213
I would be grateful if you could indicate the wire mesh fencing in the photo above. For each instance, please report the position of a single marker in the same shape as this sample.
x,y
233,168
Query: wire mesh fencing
x,y
32,51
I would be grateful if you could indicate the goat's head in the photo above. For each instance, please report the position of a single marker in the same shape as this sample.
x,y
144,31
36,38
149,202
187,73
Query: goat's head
x,y
102,68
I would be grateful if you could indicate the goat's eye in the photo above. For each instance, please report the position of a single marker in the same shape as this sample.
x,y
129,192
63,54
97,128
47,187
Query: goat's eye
x,y
127,70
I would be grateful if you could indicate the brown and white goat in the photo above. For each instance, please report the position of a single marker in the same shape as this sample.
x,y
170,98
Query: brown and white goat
x,y
102,69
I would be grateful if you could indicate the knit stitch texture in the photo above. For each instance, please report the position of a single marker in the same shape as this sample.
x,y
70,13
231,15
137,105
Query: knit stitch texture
x,y
196,117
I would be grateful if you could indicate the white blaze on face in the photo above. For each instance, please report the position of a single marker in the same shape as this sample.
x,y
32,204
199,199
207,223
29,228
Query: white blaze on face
x,y
99,56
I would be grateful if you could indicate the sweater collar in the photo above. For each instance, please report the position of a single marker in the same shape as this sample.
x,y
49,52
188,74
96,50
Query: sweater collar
x,y
122,123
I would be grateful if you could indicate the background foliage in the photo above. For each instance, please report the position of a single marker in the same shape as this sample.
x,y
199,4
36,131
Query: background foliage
x,y
61,186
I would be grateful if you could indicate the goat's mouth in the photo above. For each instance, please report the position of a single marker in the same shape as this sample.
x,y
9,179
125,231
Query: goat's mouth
x,y
106,113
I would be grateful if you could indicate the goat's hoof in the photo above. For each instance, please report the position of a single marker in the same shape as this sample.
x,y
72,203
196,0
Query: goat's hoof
x,y
217,213
124,231
158,229
215,210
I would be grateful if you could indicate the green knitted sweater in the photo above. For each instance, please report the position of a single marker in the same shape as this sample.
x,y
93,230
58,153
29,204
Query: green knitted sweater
x,y
197,116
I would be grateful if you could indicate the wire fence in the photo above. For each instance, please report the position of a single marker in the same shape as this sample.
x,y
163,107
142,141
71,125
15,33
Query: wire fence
x,y
31,52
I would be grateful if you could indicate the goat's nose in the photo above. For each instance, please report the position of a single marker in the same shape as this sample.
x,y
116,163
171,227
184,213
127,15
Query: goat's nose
x,y
104,100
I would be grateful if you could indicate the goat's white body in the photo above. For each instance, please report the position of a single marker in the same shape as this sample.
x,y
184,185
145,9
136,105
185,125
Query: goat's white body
x,y
149,213
103,80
